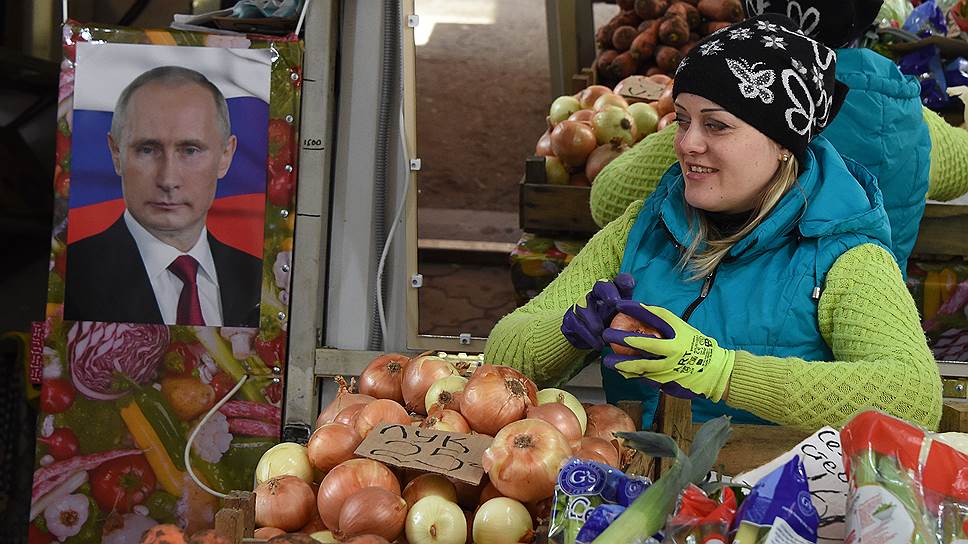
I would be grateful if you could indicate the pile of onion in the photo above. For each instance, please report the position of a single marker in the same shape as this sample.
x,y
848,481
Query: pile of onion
x,y
383,377
496,396
446,393
379,412
523,460
343,399
606,419
372,511
331,444
445,420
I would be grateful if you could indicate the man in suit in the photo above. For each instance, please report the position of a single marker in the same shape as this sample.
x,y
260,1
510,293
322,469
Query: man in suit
x,y
170,142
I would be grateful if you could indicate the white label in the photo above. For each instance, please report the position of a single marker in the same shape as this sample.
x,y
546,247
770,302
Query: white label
x,y
782,533
876,516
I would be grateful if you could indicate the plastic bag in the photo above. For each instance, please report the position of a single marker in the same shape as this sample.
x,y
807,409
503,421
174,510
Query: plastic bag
x,y
894,12
701,519
779,509
927,19
904,482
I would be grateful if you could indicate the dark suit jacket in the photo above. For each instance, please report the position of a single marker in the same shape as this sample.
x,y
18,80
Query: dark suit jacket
x,y
106,281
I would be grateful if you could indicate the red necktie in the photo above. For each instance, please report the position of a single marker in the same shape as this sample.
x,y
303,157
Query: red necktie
x,y
189,307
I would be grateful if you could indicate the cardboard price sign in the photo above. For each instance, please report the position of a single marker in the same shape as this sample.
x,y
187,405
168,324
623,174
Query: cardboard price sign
x,y
457,455
639,89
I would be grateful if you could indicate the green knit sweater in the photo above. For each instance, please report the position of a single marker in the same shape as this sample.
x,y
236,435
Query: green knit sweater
x,y
633,175
866,315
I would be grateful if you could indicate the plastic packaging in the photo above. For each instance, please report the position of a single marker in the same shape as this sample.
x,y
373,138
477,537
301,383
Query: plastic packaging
x,y
779,509
904,482
701,519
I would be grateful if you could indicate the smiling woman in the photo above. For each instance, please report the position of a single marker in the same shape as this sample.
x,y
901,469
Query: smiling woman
x,y
761,258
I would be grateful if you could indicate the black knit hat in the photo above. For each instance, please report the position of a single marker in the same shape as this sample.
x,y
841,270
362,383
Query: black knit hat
x,y
834,23
764,71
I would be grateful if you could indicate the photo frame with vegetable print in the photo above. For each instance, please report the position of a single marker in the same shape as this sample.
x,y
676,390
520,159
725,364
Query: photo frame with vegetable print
x,y
200,161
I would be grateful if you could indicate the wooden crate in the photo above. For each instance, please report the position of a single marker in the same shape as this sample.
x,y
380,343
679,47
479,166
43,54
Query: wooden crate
x,y
942,231
553,210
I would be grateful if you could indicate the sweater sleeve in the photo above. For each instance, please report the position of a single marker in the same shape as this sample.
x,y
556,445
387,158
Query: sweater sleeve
x,y
882,360
632,176
530,339
949,158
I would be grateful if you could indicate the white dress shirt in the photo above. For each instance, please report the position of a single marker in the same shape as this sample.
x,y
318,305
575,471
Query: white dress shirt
x,y
157,255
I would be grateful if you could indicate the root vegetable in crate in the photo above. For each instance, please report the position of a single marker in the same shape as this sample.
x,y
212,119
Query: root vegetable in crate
x,y
646,118
673,30
643,46
562,108
650,9
614,124
590,94
667,58
603,155
555,172
721,10
623,36
621,67
572,142
686,11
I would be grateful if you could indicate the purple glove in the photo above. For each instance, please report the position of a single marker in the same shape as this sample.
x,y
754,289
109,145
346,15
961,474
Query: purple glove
x,y
583,324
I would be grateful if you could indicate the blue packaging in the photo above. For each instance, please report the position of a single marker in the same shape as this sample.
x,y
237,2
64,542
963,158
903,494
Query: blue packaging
x,y
779,502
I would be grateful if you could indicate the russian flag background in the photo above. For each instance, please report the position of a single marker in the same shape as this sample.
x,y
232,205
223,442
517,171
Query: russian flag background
x,y
237,216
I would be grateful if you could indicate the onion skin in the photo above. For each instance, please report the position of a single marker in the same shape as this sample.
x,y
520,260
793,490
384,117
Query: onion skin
x,y
572,142
605,419
346,479
436,520
543,147
446,420
601,156
379,412
429,484
265,533
559,395
582,116
419,374
373,511
446,393
343,399
332,444
496,396
588,96
598,449
383,377
524,459
367,539
286,503
628,323
502,520
347,416
560,417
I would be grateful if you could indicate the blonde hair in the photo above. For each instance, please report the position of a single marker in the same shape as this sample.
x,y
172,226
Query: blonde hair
x,y
702,264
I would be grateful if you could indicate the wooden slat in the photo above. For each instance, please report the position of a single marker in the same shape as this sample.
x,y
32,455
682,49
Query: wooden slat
x,y
943,231
954,416
556,209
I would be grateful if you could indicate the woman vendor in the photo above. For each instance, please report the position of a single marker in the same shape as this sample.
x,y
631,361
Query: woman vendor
x,y
762,259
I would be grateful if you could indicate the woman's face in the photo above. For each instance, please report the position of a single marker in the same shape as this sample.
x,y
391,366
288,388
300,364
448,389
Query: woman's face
x,y
726,162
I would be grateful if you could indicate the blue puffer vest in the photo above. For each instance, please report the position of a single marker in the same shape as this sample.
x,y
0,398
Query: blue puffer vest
x,y
763,297
881,126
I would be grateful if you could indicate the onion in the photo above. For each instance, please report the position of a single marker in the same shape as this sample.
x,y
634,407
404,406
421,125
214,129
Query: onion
x,y
561,418
429,484
495,396
446,393
419,374
606,419
324,537
502,520
628,323
588,96
582,116
435,520
543,147
559,395
555,171
343,399
286,503
379,412
332,444
603,155
489,492
346,479
599,449
285,459
446,420
265,533
523,460
347,416
367,539
610,100
373,511
572,142
383,377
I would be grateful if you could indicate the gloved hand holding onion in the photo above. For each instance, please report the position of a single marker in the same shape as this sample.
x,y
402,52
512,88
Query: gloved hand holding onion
x,y
362,500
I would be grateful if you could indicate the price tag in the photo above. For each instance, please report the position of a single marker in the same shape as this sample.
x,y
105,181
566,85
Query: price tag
x,y
639,89
456,455
36,364
823,461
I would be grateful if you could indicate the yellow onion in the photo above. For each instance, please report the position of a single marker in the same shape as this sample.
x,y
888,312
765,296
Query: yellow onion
x,y
379,412
343,399
501,521
445,393
332,444
373,511
559,395
383,377
419,374
324,537
523,460
605,419
285,459
429,484
495,396
346,479
435,520
285,503
446,420
598,449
